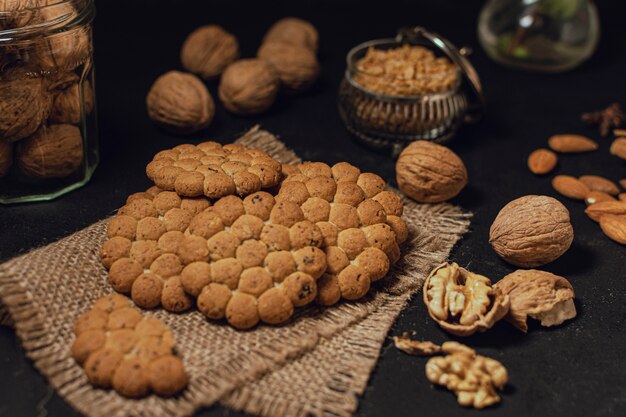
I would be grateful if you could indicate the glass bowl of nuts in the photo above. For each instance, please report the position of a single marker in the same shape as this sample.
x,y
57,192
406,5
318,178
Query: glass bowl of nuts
x,y
416,86
48,135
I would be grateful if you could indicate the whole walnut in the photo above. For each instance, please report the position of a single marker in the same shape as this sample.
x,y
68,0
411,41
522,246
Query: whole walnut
x,y
430,173
64,50
180,102
54,151
294,31
6,157
248,86
66,105
24,105
18,13
531,231
297,66
208,50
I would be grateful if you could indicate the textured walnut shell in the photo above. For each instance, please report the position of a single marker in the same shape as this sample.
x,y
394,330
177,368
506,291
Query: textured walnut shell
x,y
430,173
66,106
208,50
63,50
180,103
24,105
531,231
19,13
54,151
294,31
540,295
296,66
6,157
462,302
248,86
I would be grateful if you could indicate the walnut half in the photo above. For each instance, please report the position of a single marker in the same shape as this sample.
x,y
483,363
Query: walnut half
x,y
473,378
541,295
462,302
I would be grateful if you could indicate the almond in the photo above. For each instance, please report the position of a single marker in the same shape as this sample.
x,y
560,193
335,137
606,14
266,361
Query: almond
x,y
542,161
614,227
622,197
570,187
598,196
619,132
594,211
598,183
572,144
618,148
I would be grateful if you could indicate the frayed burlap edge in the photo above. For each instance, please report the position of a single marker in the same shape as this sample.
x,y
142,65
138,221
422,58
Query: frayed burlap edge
x,y
71,384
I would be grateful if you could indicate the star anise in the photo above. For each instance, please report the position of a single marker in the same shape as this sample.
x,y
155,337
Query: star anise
x,y
611,117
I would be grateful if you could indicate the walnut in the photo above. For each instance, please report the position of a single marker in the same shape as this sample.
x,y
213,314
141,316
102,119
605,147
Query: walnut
x,y
208,50
17,13
540,295
180,103
23,107
430,173
63,50
473,378
531,231
6,157
296,66
54,151
462,302
248,86
66,105
293,31
414,347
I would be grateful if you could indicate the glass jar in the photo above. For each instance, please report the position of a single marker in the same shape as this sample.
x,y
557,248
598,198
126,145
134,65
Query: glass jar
x,y
48,131
390,112
539,35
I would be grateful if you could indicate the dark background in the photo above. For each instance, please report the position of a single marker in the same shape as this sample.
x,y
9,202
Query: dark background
x,y
578,369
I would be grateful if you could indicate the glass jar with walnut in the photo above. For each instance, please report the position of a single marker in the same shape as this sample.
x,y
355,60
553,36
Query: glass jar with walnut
x,y
48,135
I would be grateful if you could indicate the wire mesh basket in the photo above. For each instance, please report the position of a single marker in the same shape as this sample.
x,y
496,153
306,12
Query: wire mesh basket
x,y
392,121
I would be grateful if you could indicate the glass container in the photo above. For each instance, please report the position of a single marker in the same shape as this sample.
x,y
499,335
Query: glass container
x,y
48,130
393,120
539,35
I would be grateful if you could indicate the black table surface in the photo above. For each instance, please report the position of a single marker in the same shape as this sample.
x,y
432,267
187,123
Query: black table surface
x,y
576,369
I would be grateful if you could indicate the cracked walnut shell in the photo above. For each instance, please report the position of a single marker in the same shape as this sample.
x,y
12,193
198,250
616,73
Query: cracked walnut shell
x,y
531,231
180,103
462,302
430,173
474,379
296,66
541,295
54,151
248,86
208,50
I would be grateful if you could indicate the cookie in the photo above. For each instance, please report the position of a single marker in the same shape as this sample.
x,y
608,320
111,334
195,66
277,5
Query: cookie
x,y
213,170
243,260
360,223
119,348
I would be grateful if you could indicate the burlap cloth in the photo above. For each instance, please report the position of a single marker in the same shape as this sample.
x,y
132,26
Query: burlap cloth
x,y
316,365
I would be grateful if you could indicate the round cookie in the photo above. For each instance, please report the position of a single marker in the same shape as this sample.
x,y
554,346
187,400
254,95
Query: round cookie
x,y
131,353
213,170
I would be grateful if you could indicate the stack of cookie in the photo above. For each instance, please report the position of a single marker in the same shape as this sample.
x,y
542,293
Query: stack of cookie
x,y
238,235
